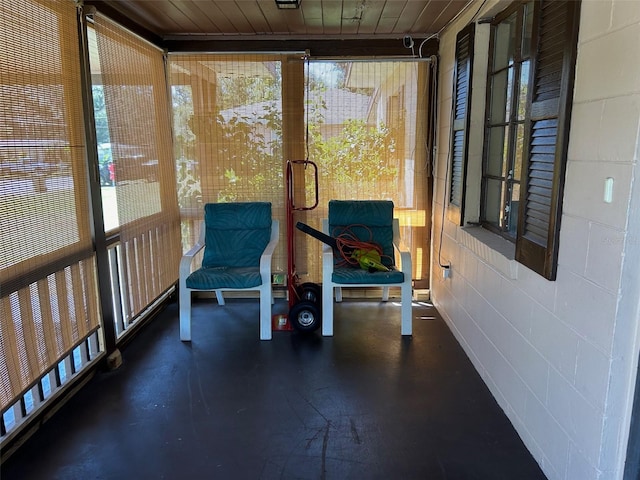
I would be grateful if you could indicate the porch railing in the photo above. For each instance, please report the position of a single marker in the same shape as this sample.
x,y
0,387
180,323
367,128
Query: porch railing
x,y
63,375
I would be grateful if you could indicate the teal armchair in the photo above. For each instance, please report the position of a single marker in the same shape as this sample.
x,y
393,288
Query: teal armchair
x,y
365,218
238,240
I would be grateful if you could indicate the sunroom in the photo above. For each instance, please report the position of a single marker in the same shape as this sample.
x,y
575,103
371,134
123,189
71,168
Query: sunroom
x,y
505,133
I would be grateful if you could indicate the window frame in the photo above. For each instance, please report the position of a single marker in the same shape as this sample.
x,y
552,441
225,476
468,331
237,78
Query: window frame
x,y
510,124
460,124
545,105
553,56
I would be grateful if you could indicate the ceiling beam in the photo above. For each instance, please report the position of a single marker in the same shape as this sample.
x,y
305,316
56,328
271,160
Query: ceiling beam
x,y
316,47
118,17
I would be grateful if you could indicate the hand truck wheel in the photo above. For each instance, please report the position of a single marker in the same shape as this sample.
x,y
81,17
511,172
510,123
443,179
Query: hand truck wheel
x,y
311,292
304,316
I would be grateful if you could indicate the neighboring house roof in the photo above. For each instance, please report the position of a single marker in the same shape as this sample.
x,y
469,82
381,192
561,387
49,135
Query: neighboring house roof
x,y
341,105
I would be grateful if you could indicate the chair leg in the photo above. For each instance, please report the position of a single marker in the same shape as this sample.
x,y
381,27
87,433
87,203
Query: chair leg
x,y
406,315
266,296
185,314
327,309
338,294
219,297
385,294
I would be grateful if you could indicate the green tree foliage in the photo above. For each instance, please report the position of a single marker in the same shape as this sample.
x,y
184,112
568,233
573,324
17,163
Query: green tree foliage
x,y
245,90
247,151
100,114
182,110
246,158
361,156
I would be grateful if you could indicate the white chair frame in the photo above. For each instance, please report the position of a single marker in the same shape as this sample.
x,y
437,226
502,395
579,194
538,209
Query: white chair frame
x,y
328,286
265,289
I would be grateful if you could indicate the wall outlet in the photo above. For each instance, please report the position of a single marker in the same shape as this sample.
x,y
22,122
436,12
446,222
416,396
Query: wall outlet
x,y
446,272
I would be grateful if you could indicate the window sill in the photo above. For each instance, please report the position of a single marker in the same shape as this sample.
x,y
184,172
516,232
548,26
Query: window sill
x,y
492,249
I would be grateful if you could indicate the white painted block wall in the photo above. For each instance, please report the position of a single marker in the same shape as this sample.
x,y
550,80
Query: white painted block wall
x,y
561,357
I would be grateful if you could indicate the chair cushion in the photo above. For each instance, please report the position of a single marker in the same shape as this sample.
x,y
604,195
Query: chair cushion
x,y
236,233
349,275
224,277
377,215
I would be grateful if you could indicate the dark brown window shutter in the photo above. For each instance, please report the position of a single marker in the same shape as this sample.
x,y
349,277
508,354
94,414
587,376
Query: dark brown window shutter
x,y
460,116
547,135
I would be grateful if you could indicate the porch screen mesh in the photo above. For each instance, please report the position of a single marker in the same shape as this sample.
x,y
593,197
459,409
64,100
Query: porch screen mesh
x,y
238,119
227,122
367,126
48,292
132,76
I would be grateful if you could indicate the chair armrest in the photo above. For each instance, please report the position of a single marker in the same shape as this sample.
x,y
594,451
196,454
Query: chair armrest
x,y
327,257
265,258
405,258
402,249
187,258
327,253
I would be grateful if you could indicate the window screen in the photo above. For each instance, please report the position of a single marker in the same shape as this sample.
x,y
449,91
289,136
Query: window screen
x,y
238,119
367,126
227,122
47,269
132,77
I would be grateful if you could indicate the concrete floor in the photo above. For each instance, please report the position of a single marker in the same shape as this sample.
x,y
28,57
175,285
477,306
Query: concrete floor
x,y
364,404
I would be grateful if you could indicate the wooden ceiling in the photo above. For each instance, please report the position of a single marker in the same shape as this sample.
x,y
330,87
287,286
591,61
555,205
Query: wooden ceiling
x,y
175,20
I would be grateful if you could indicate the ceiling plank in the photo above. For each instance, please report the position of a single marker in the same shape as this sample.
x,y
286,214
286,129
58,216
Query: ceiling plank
x,y
370,16
218,18
407,19
154,20
427,19
335,19
331,17
312,14
255,16
311,9
450,11
233,12
200,18
126,21
349,24
390,16
274,19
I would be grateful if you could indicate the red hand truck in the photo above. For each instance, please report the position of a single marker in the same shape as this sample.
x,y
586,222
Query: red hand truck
x,y
305,299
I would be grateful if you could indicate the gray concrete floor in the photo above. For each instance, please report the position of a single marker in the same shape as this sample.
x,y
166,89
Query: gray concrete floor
x,y
364,404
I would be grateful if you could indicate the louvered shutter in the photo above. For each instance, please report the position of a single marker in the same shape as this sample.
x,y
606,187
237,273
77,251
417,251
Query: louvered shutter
x,y
460,126
547,135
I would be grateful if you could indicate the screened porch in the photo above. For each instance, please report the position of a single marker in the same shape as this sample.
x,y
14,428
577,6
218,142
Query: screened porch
x,y
116,145
505,133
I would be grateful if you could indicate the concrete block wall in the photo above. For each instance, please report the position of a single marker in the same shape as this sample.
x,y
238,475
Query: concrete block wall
x,y
560,357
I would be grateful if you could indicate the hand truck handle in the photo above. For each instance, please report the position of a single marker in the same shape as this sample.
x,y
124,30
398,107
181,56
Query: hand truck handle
x,y
290,191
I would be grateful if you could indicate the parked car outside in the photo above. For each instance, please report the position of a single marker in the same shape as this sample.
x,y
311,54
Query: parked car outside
x,y
105,163
131,163
35,160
